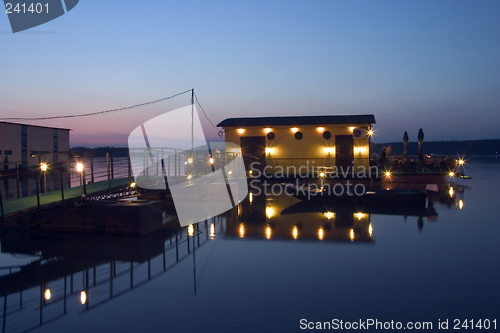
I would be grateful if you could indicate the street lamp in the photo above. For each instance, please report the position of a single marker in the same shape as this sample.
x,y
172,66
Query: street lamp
x,y
79,168
43,167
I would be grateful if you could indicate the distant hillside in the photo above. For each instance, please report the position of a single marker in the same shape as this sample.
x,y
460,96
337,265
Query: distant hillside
x,y
452,148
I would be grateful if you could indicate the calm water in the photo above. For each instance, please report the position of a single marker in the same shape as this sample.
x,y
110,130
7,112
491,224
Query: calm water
x,y
238,280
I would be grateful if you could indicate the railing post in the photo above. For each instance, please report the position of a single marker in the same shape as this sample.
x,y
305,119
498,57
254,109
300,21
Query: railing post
x,y
69,170
92,167
175,162
37,189
17,179
61,177
84,175
129,162
112,166
109,172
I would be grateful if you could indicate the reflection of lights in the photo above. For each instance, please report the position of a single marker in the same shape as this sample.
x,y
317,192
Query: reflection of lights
x,y
212,230
269,150
370,229
294,129
250,197
295,232
211,161
461,162
351,234
329,215
239,210
388,173
451,192
79,167
321,233
269,212
461,204
267,130
241,130
452,174
241,230
330,150
351,128
47,295
190,160
190,230
83,297
43,166
268,232
320,129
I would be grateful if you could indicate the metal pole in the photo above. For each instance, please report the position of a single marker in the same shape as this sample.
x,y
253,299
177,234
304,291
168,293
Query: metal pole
x,y
84,175
61,177
1,207
69,170
17,179
112,166
37,189
129,162
109,171
92,167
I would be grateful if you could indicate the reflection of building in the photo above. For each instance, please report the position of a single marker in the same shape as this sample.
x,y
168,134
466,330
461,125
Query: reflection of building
x,y
18,142
296,141
267,217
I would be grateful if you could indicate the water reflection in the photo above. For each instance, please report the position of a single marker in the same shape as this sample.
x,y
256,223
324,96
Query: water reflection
x,y
88,269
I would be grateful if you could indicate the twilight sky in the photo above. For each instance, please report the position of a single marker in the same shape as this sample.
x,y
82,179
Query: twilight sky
x,y
423,63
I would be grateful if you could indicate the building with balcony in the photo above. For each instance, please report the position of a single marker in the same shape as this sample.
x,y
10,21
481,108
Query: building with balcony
x,y
333,142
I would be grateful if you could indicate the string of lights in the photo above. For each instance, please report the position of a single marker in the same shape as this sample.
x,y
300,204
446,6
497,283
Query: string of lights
x,y
100,112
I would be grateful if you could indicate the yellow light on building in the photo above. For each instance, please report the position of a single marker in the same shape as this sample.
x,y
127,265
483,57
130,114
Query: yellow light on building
x,y
370,229
461,162
451,192
295,129
370,132
320,129
295,232
269,150
250,172
43,166
388,173
321,233
329,215
351,234
250,197
241,130
230,172
267,129
241,230
360,150
269,212
452,174
330,150
351,128
461,204
322,175
83,297
47,295
360,216
212,230
190,230
268,232
79,167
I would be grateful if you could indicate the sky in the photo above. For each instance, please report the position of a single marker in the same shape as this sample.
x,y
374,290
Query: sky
x,y
414,64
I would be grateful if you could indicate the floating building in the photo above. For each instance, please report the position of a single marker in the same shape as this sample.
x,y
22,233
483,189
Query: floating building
x,y
341,141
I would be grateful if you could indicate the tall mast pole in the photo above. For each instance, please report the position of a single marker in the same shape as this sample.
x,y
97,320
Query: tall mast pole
x,y
192,122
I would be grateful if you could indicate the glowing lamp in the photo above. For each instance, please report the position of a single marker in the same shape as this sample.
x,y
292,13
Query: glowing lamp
x,y
189,176
359,150
329,215
83,297
268,232
133,185
322,175
351,128
79,167
321,233
295,232
452,174
211,161
241,230
241,130
461,162
370,132
388,173
269,150
320,129
351,235
190,160
370,229
43,166
47,295
461,204
294,129
267,130
330,150
190,230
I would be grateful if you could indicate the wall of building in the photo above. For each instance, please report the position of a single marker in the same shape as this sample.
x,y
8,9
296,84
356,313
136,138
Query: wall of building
x,y
311,146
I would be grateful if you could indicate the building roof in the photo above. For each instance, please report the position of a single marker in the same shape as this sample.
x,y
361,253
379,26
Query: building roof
x,y
298,120
5,122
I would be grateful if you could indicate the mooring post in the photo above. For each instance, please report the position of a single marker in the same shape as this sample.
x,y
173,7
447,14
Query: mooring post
x,y
109,171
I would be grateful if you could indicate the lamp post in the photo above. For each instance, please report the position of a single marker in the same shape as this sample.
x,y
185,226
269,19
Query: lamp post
x,y
79,168
43,167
